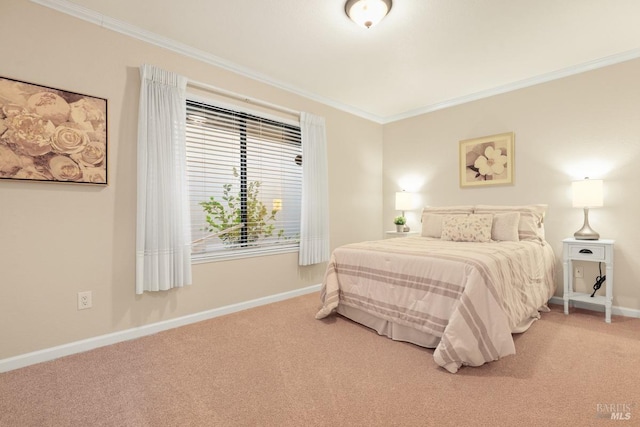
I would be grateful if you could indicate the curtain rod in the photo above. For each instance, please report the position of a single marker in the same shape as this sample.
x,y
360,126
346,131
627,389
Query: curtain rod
x,y
240,97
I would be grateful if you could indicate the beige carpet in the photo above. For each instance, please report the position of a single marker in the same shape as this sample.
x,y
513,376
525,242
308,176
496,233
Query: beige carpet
x,y
277,366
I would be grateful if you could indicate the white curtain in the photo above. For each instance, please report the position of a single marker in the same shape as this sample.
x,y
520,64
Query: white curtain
x,y
163,250
314,223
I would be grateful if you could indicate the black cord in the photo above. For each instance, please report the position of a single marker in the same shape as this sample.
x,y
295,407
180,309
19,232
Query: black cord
x,y
599,280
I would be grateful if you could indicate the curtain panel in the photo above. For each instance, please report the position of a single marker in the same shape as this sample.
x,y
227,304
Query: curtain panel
x,y
314,221
163,248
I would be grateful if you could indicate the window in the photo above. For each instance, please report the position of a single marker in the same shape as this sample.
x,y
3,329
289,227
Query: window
x,y
245,183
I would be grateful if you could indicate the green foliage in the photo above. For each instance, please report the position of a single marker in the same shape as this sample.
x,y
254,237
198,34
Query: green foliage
x,y
399,220
258,222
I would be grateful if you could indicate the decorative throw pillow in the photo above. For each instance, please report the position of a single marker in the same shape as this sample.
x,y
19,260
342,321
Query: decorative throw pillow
x,y
463,228
505,227
432,218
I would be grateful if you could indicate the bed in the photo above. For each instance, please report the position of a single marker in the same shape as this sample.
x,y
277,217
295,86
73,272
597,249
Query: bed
x,y
475,275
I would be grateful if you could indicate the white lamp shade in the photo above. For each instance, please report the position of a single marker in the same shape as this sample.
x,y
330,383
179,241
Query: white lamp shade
x,y
404,201
367,13
587,193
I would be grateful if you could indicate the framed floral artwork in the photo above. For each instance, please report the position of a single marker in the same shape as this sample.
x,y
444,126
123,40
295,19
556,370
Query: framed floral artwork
x,y
487,160
49,134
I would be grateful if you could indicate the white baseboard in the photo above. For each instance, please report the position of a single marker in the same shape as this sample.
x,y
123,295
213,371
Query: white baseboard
x,y
620,311
52,353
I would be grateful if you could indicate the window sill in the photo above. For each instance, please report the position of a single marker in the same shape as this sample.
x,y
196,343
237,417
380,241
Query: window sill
x,y
240,254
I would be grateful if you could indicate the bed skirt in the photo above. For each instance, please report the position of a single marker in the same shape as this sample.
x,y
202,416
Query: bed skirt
x,y
389,329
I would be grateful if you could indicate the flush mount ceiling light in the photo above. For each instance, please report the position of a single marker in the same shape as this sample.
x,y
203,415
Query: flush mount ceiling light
x,y
367,13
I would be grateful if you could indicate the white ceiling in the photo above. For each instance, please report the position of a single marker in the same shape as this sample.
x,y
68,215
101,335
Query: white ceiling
x,y
425,55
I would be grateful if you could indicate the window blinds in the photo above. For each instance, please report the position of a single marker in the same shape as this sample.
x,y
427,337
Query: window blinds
x,y
245,182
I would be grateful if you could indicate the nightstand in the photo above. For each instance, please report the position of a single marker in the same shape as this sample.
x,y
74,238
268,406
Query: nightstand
x,y
588,250
392,234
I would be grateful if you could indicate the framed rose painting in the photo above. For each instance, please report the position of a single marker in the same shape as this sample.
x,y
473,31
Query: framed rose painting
x,y
51,135
487,160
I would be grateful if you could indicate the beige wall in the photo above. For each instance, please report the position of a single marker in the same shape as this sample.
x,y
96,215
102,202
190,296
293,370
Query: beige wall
x,y
583,125
56,239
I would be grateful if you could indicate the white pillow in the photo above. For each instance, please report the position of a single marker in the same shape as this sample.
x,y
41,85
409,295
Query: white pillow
x,y
467,228
449,210
432,225
505,227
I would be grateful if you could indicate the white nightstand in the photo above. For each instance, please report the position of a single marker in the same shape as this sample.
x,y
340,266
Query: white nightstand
x,y
392,234
588,250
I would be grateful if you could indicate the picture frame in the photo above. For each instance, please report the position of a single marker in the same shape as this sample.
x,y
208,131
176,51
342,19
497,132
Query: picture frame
x,y
51,135
487,160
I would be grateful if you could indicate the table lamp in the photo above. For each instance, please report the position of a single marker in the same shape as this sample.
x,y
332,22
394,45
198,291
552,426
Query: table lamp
x,y
587,194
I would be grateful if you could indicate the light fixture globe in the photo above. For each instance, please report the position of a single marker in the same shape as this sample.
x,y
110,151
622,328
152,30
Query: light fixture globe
x,y
367,13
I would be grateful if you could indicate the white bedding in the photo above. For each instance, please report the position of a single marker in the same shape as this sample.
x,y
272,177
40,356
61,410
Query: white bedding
x,y
466,297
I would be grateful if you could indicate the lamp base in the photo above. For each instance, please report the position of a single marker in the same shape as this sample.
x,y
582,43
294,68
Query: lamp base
x,y
584,235
586,232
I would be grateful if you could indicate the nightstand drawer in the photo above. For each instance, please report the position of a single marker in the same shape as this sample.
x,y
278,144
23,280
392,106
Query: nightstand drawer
x,y
587,252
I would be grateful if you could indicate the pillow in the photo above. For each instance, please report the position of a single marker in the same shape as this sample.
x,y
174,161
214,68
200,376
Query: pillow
x,y
467,228
505,227
432,225
531,218
432,218
449,210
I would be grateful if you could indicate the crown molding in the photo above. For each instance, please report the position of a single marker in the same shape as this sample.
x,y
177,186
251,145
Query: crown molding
x,y
107,22
521,84
121,27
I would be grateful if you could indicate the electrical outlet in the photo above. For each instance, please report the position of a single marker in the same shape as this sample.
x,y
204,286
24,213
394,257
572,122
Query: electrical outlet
x,y
579,273
85,300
